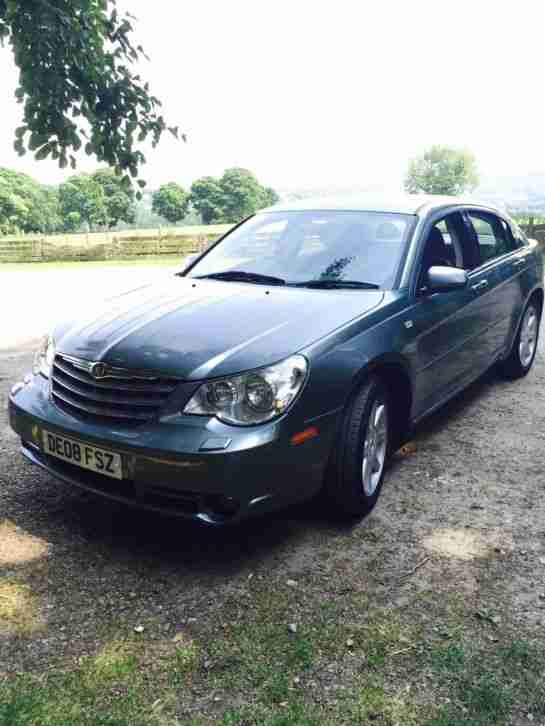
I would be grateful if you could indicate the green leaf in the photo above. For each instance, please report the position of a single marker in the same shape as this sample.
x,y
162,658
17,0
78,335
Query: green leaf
x,y
44,152
87,53
37,140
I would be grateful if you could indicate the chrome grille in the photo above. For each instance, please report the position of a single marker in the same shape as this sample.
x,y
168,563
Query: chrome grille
x,y
130,397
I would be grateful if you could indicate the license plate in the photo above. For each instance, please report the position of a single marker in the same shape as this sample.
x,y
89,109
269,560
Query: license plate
x,y
88,457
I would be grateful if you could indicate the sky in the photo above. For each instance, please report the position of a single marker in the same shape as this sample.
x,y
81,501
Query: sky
x,y
316,93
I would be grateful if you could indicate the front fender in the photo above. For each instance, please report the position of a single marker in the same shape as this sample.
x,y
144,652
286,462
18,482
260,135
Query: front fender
x,y
338,369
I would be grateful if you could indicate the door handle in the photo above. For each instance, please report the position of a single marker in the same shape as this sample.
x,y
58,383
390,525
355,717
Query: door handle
x,y
482,285
518,263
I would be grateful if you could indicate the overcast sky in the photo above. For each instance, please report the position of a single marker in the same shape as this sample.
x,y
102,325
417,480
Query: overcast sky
x,y
321,93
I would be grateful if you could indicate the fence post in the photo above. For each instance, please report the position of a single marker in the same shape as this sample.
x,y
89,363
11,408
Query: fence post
x,y
531,226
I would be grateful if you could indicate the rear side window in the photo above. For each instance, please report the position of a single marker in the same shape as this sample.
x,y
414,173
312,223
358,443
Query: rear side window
x,y
493,235
520,239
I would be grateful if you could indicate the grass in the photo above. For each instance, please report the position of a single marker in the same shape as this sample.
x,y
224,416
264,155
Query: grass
x,y
17,607
71,699
349,661
485,686
106,689
354,657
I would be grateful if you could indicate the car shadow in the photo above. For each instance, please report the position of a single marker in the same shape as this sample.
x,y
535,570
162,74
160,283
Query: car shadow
x,y
71,519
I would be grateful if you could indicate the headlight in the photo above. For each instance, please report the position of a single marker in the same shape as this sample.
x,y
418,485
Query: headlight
x,y
43,360
251,398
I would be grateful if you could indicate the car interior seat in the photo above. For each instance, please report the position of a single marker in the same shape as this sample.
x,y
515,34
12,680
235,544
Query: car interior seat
x,y
436,251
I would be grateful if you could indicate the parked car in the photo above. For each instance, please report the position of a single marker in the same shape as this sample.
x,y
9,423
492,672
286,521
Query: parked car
x,y
288,359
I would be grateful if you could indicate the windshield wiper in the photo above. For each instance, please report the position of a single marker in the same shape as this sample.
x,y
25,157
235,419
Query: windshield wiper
x,y
241,276
338,284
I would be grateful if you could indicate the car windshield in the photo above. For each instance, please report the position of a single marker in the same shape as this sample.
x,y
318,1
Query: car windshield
x,y
328,249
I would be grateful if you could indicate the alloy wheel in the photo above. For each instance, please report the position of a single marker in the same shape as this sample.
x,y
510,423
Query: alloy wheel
x,y
374,448
528,336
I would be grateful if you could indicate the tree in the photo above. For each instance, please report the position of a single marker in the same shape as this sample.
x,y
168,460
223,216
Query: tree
x,y
26,205
207,198
442,170
119,196
269,197
72,221
82,200
77,82
171,201
13,211
237,195
242,194
101,199
45,213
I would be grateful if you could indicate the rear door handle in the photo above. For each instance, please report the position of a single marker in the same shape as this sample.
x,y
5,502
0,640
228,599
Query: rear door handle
x,y
482,285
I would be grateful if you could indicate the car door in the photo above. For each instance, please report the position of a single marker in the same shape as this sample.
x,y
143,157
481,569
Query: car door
x,y
516,276
496,279
448,349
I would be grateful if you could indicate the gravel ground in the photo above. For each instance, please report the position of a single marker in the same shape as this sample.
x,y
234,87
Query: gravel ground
x,y
462,512
474,486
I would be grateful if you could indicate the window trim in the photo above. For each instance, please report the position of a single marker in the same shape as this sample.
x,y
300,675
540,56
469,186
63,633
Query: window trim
x,y
490,219
437,216
493,260
521,234
424,221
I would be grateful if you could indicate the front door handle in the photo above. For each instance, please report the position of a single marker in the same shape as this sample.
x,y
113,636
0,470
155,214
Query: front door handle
x,y
482,285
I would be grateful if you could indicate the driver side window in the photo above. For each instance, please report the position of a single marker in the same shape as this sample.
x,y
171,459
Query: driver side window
x,y
443,247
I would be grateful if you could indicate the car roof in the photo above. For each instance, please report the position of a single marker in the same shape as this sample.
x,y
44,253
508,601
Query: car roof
x,y
419,204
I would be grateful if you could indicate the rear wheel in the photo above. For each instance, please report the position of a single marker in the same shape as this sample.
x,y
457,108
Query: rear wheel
x,y
523,352
358,468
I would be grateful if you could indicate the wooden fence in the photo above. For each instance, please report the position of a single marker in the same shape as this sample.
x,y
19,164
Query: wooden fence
x,y
129,244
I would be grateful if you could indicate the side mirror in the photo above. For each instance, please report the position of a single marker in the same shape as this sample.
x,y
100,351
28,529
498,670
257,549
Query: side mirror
x,y
443,279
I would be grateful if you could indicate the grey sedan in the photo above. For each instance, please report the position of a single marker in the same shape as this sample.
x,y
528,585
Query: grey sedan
x,y
289,359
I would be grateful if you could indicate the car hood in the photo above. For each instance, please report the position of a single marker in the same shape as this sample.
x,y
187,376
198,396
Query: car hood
x,y
198,329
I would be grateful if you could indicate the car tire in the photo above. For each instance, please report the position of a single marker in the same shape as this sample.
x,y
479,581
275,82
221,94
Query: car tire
x,y
357,468
522,354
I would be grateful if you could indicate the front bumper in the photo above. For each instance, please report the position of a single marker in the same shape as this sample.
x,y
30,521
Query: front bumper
x,y
196,468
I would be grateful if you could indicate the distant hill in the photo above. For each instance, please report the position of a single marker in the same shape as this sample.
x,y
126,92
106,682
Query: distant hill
x,y
297,193
518,194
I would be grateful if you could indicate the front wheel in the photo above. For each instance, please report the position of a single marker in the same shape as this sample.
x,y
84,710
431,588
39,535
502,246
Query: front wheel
x,y
357,472
523,352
